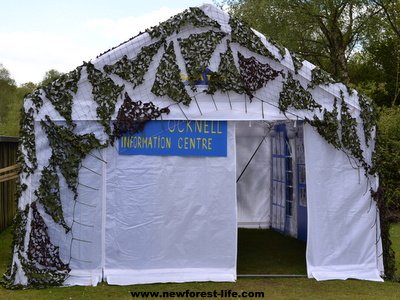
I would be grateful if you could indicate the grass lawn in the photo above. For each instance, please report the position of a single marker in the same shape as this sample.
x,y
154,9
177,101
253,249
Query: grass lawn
x,y
279,254
297,288
395,236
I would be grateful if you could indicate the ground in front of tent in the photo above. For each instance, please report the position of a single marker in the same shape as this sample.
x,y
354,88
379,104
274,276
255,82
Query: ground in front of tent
x,y
282,288
265,251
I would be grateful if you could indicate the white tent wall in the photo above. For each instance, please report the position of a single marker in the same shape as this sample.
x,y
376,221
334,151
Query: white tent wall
x,y
343,235
82,247
135,228
253,188
171,219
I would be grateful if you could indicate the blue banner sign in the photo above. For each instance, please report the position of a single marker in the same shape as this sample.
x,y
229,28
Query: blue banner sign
x,y
177,138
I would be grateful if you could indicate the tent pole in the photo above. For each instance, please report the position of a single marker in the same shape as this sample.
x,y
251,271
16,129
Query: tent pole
x,y
251,158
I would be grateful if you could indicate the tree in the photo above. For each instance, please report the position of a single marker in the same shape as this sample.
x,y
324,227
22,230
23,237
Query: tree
x,y
323,31
375,69
391,11
5,75
7,93
8,99
386,46
10,122
11,98
25,89
50,76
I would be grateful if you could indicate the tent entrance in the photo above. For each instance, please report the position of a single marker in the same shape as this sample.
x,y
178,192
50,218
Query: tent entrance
x,y
271,197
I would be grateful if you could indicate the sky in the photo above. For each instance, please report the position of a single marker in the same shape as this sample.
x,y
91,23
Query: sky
x,y
39,35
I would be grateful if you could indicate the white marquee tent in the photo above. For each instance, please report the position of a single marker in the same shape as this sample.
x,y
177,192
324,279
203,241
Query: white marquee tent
x,y
88,211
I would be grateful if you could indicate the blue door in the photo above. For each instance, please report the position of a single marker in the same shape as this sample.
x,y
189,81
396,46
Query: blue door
x,y
301,187
282,181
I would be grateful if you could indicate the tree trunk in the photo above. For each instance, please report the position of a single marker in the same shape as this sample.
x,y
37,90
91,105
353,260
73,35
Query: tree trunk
x,y
339,63
336,46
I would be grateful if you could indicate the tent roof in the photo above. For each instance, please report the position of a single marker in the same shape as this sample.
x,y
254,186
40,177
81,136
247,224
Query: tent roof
x,y
221,105
222,18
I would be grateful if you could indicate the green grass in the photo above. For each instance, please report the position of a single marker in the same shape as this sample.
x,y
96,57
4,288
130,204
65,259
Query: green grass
x,y
272,288
298,288
5,249
269,252
395,237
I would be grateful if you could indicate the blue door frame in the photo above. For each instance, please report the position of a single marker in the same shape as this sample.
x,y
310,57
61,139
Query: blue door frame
x,y
282,181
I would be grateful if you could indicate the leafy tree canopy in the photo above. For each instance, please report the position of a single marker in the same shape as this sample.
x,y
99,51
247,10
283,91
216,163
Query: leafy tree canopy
x,y
324,32
50,76
5,76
